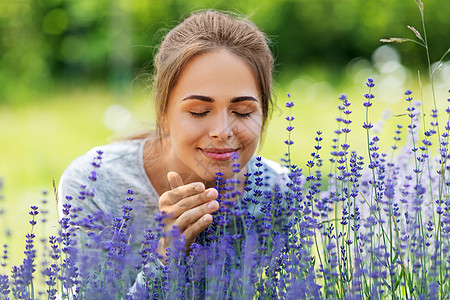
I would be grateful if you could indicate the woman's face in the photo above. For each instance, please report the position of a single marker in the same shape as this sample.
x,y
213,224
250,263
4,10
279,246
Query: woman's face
x,y
214,110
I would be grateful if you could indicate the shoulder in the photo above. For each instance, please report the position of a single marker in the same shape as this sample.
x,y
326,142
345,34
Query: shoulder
x,y
274,167
272,172
109,156
113,167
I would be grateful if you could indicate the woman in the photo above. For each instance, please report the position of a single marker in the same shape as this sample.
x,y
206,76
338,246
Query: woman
x,y
212,89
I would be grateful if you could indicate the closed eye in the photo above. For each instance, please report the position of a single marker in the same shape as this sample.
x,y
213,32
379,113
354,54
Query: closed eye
x,y
198,115
243,116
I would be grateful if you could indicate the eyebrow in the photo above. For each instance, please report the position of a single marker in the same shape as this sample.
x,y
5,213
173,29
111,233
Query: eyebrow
x,y
211,100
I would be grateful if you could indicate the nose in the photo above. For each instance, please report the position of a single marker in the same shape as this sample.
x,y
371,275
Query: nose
x,y
221,128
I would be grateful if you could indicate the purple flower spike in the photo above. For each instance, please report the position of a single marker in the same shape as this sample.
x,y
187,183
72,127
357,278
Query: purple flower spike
x,y
370,83
96,163
287,142
4,286
93,176
369,96
235,156
367,126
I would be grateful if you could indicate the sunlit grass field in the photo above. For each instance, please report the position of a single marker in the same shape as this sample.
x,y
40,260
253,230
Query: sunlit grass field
x,y
40,138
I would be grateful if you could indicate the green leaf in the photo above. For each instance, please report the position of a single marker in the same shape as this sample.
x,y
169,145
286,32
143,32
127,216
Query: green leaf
x,y
399,278
386,283
395,258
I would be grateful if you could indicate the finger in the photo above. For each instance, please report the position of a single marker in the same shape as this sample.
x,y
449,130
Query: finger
x,y
174,180
198,199
189,217
192,202
172,197
195,229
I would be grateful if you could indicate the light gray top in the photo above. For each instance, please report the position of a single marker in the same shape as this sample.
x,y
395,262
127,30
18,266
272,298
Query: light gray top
x,y
122,168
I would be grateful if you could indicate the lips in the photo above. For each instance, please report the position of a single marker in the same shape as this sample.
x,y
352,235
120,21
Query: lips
x,y
220,154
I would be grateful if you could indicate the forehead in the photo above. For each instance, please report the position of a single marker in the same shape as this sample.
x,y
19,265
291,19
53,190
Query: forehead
x,y
219,75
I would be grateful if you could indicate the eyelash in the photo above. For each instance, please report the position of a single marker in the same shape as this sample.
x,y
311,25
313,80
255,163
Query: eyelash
x,y
198,115
203,114
243,116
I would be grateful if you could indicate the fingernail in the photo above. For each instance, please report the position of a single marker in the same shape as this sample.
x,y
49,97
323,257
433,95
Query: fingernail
x,y
212,204
199,187
210,194
206,219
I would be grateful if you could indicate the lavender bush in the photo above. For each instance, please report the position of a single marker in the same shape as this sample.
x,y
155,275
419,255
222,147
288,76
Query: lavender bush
x,y
374,226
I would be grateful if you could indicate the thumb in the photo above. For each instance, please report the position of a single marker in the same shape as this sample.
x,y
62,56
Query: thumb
x,y
174,180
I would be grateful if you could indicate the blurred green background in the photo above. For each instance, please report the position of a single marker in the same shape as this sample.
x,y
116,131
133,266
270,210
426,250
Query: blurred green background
x,y
75,74
52,45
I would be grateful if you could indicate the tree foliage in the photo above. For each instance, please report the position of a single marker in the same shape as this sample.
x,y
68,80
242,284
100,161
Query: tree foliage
x,y
109,41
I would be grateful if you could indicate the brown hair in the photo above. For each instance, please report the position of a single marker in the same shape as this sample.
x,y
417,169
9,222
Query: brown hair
x,y
207,31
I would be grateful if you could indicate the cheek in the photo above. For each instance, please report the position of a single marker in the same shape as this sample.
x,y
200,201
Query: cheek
x,y
184,135
249,131
184,127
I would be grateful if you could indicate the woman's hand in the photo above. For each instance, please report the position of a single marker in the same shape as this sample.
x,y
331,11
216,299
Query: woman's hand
x,y
188,207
